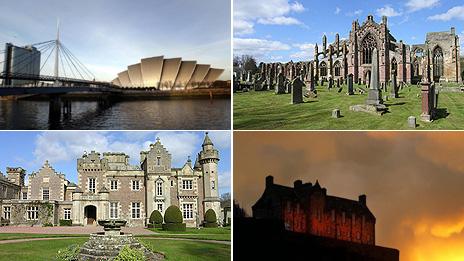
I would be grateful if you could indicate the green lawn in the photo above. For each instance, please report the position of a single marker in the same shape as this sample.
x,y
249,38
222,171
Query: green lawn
x,y
193,233
8,236
265,110
36,250
188,250
173,249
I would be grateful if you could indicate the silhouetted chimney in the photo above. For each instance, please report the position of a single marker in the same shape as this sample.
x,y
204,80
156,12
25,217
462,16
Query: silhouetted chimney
x,y
269,181
297,183
362,200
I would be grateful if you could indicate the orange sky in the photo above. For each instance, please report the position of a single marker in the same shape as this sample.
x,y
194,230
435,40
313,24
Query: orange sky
x,y
414,181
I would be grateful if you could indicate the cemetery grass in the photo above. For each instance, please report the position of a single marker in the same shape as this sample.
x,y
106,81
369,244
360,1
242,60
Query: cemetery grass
x,y
174,250
265,110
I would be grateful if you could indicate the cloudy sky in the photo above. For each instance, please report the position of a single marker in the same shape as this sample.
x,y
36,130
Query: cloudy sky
x,y
413,180
284,30
108,35
29,150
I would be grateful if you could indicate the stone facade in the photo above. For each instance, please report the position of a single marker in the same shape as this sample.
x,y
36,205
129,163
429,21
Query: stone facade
x,y
354,55
109,187
307,208
406,63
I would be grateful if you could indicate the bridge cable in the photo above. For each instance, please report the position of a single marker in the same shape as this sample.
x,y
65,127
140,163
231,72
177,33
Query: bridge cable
x,y
67,55
82,65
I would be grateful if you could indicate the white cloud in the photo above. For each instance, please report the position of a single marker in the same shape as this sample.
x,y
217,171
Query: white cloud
x,y
337,10
456,12
68,146
247,12
306,51
355,13
257,47
220,139
242,27
280,20
387,10
415,5
224,181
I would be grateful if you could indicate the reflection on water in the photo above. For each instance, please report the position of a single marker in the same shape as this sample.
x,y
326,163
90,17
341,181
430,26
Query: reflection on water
x,y
126,115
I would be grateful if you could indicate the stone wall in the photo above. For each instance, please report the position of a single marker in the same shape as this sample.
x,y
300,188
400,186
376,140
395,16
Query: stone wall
x,y
46,177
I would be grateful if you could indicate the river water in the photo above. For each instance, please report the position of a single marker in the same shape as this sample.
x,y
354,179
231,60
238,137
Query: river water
x,y
194,114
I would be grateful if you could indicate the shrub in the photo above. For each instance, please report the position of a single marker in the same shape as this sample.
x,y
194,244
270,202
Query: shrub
x,y
47,225
174,226
173,215
156,217
129,254
210,219
65,222
210,216
71,253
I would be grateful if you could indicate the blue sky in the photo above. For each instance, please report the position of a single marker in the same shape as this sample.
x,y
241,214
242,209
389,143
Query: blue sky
x,y
30,149
284,30
108,35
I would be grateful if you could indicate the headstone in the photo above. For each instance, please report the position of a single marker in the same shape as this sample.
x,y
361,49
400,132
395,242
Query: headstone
x,y
330,86
375,94
322,82
338,83
297,90
350,84
394,91
288,86
412,122
280,85
428,101
336,113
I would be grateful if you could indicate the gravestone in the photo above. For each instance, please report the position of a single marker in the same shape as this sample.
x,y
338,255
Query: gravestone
x,y
322,82
394,91
338,83
297,90
280,85
288,86
412,122
336,113
428,101
330,86
350,84
374,96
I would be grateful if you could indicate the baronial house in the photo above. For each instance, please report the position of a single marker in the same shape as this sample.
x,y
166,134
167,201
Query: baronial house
x,y
108,187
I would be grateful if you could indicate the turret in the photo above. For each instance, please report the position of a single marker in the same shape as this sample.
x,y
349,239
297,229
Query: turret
x,y
384,20
16,175
209,158
337,43
324,44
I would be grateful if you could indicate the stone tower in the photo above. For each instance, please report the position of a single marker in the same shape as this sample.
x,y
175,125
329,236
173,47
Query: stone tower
x,y
208,158
16,175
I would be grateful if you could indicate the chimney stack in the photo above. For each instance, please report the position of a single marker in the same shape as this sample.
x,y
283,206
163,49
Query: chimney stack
x,y
269,181
362,200
297,183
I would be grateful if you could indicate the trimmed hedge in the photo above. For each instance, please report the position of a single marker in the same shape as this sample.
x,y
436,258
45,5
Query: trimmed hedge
x,y
174,226
156,217
173,215
65,222
210,219
155,225
210,216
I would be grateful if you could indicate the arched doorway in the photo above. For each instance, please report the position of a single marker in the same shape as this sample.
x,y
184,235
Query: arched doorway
x,y
90,215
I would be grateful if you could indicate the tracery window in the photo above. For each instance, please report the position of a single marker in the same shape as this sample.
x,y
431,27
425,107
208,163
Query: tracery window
x,y
437,63
367,47
337,68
